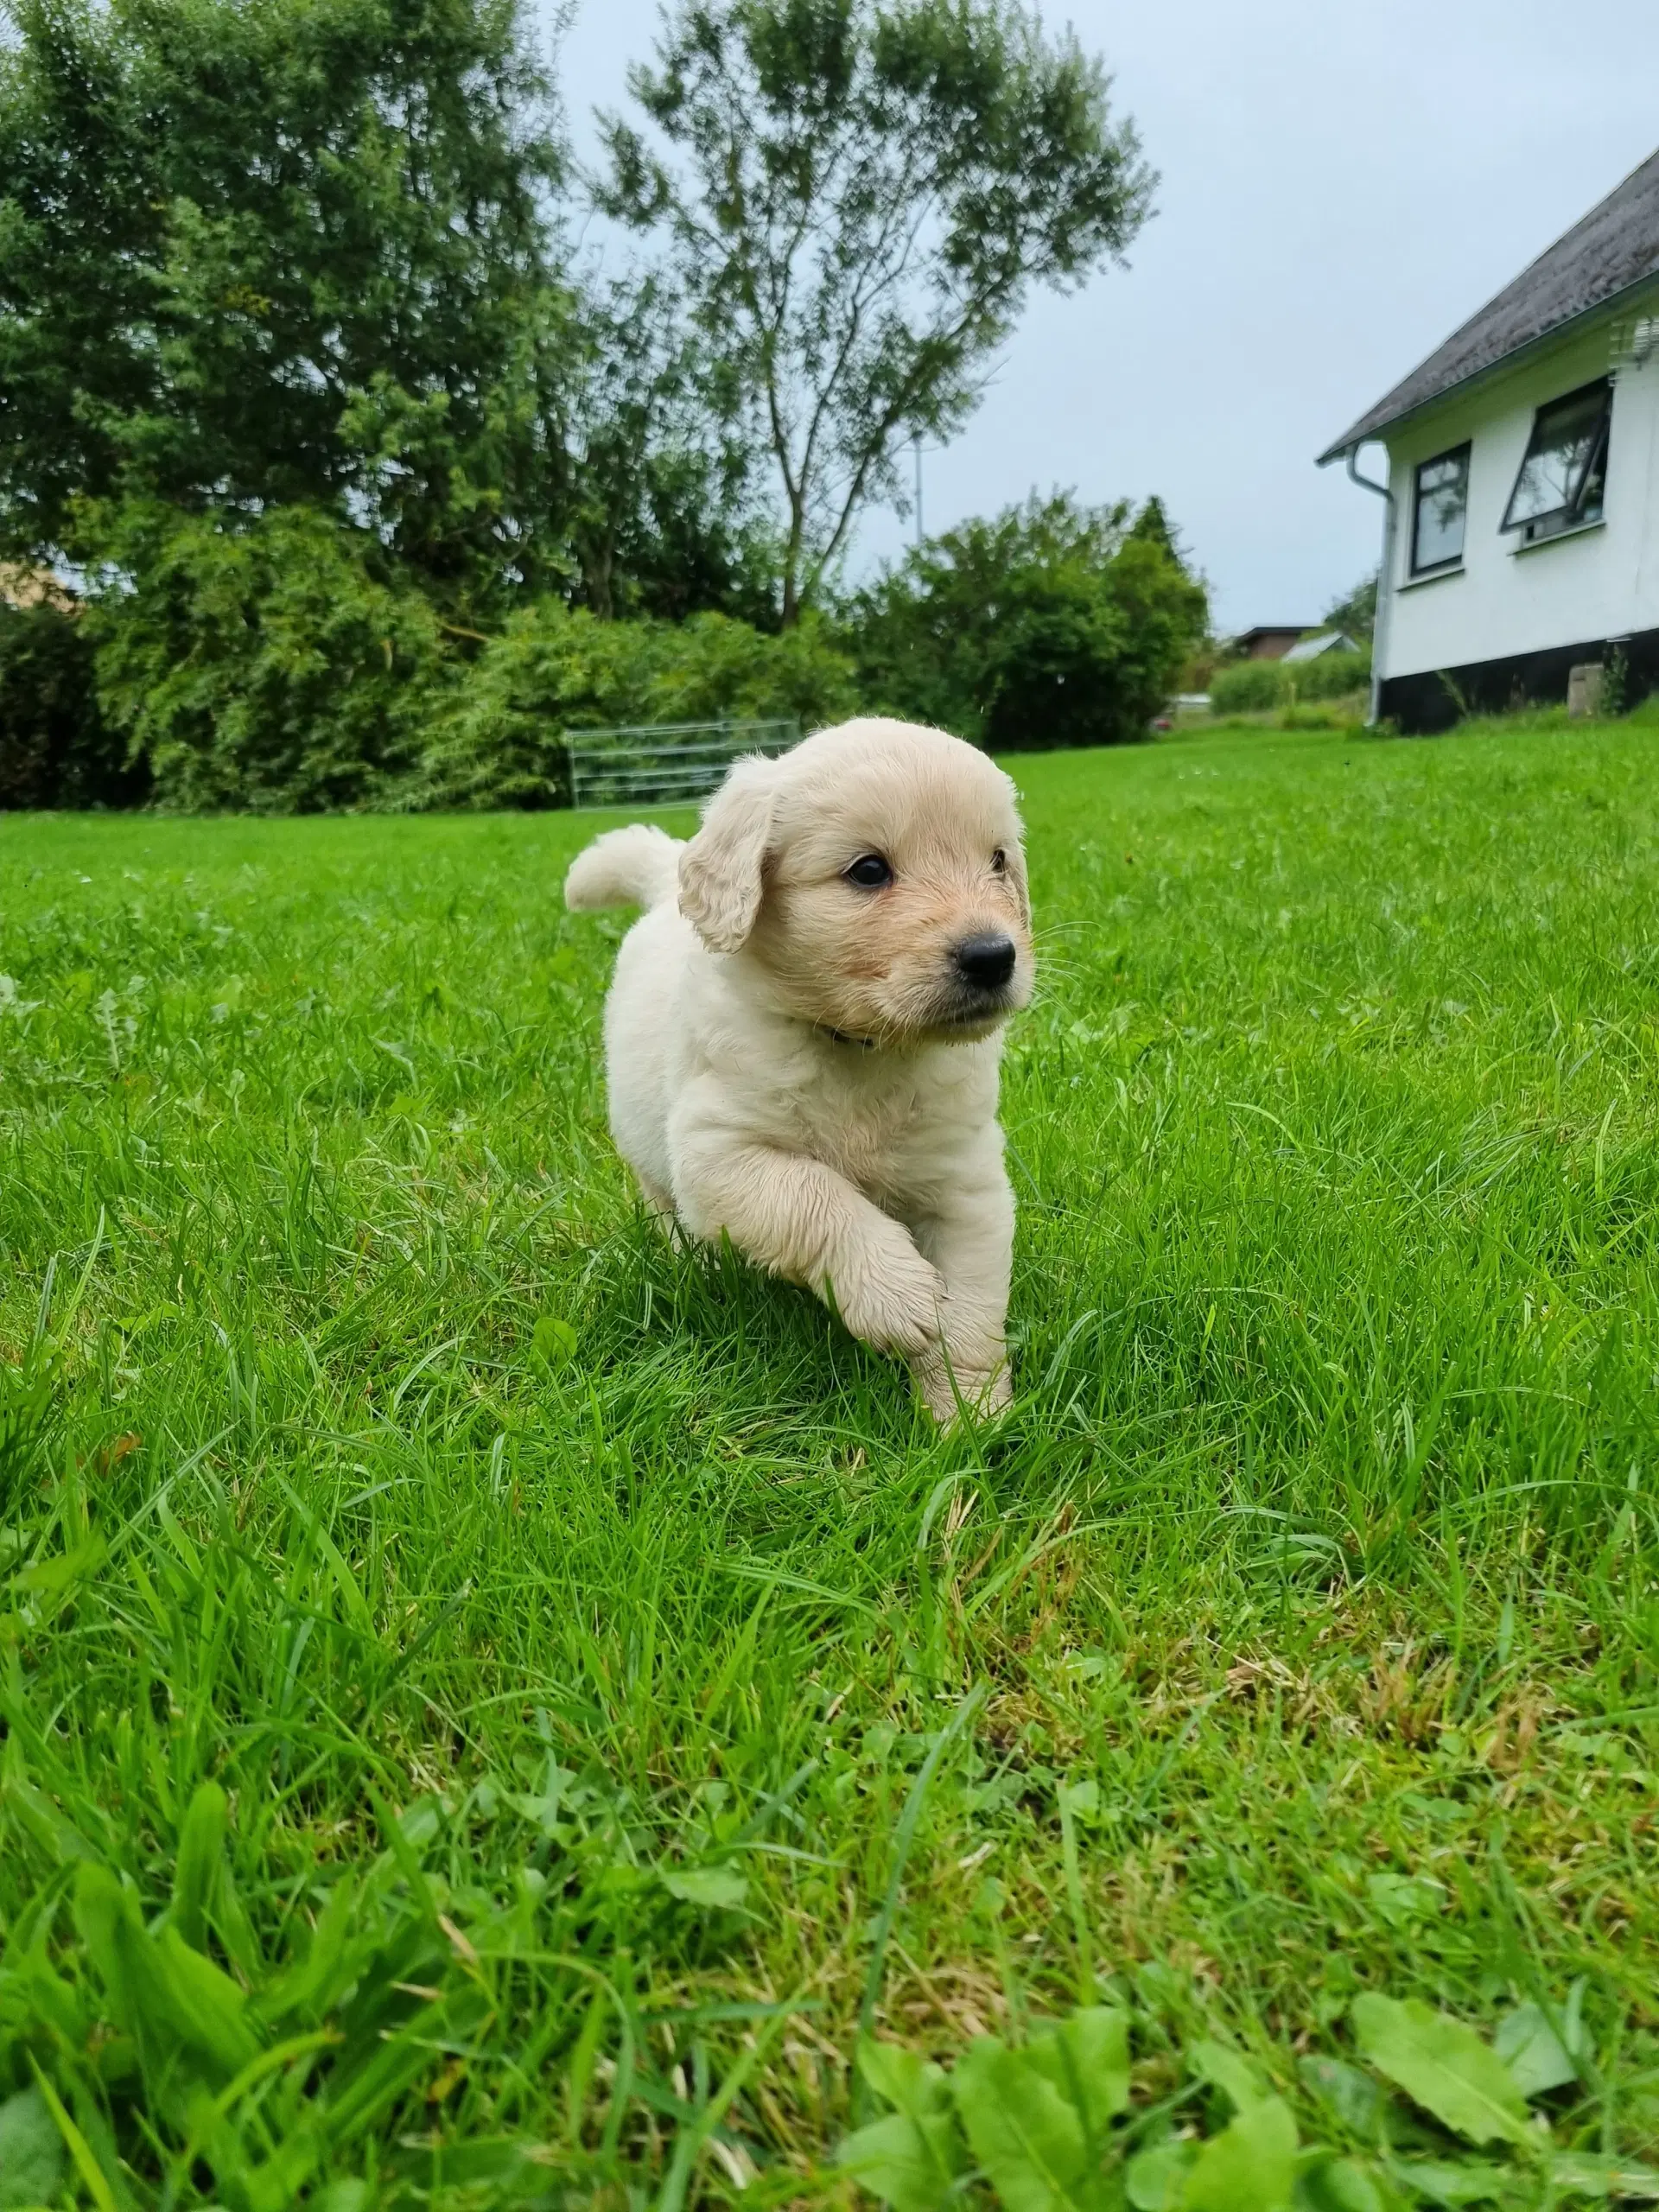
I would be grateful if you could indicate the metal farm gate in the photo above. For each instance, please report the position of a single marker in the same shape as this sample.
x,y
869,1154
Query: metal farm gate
x,y
664,764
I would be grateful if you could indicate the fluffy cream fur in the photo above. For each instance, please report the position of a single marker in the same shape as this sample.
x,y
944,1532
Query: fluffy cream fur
x,y
801,1063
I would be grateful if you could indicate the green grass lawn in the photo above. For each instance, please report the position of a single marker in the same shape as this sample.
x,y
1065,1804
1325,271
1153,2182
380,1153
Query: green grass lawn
x,y
618,1690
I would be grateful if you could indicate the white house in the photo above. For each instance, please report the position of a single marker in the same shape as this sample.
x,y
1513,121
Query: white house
x,y
1522,530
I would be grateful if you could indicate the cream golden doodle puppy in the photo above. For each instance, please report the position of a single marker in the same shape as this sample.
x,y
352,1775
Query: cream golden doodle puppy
x,y
803,1036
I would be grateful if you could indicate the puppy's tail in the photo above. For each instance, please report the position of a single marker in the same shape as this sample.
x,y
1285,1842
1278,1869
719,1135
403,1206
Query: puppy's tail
x,y
636,866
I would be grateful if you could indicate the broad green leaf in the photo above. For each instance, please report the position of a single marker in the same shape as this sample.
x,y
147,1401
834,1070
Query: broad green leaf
x,y
1229,2072
350,2196
1329,2184
1442,2183
1164,1990
908,2164
1352,2098
715,1888
58,1838
1577,2174
1081,1800
1028,2137
1156,2180
1442,2065
543,1806
554,1339
201,1840
1086,2057
31,2152
1400,1899
419,1821
308,1986
1533,2051
159,1989
59,2002
93,2175
904,2078
1250,2166
102,1922
55,1576
209,2009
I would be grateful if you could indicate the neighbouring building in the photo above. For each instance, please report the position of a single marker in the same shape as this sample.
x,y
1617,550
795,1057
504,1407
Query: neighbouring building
x,y
23,587
1520,543
1327,641
1266,643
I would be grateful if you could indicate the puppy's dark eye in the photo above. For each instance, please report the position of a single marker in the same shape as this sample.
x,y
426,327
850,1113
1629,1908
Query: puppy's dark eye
x,y
870,872
998,862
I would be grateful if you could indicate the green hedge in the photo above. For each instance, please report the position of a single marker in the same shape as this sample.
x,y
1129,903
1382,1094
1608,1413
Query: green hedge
x,y
284,667
1249,687
281,666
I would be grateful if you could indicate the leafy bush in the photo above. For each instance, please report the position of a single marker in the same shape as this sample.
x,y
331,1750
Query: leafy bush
x,y
1051,624
1334,676
1250,687
713,666
273,667
56,749
556,669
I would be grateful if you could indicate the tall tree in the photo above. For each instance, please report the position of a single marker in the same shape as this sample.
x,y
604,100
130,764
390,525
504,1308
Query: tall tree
x,y
1154,525
860,194
254,253
663,515
1354,612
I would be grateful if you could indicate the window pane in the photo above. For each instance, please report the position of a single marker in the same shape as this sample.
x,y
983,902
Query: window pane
x,y
1442,506
1566,439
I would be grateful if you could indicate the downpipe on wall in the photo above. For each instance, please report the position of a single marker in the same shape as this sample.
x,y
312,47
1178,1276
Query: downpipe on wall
x,y
1384,579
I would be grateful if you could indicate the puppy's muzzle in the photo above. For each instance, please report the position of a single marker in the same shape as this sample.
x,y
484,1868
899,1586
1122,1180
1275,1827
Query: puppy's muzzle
x,y
984,963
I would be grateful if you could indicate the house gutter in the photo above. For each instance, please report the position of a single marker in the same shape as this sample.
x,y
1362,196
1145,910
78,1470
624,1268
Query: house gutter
x,y
1384,583
1516,358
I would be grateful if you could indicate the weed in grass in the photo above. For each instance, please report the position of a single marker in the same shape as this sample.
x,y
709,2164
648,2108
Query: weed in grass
x,y
410,1561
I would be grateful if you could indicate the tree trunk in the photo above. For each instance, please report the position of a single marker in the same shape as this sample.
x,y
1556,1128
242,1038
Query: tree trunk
x,y
791,611
597,560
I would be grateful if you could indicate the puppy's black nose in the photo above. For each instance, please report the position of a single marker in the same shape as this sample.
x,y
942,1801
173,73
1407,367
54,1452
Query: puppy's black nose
x,y
987,963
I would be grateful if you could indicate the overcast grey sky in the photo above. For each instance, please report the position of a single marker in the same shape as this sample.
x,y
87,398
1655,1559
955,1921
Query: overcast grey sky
x,y
1343,184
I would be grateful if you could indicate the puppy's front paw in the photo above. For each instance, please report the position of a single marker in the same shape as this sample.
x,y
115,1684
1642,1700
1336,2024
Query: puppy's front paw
x,y
898,1306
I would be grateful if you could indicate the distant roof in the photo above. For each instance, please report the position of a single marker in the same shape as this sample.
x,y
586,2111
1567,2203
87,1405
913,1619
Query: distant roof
x,y
1328,641
1272,630
23,587
1615,248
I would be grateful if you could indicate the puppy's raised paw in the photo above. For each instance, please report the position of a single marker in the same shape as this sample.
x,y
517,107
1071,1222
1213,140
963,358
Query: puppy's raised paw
x,y
897,1305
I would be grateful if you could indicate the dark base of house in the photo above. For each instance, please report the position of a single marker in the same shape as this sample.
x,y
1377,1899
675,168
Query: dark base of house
x,y
1422,705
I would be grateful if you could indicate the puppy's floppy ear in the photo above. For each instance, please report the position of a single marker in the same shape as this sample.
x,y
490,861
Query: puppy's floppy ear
x,y
720,869
1018,878
1015,849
